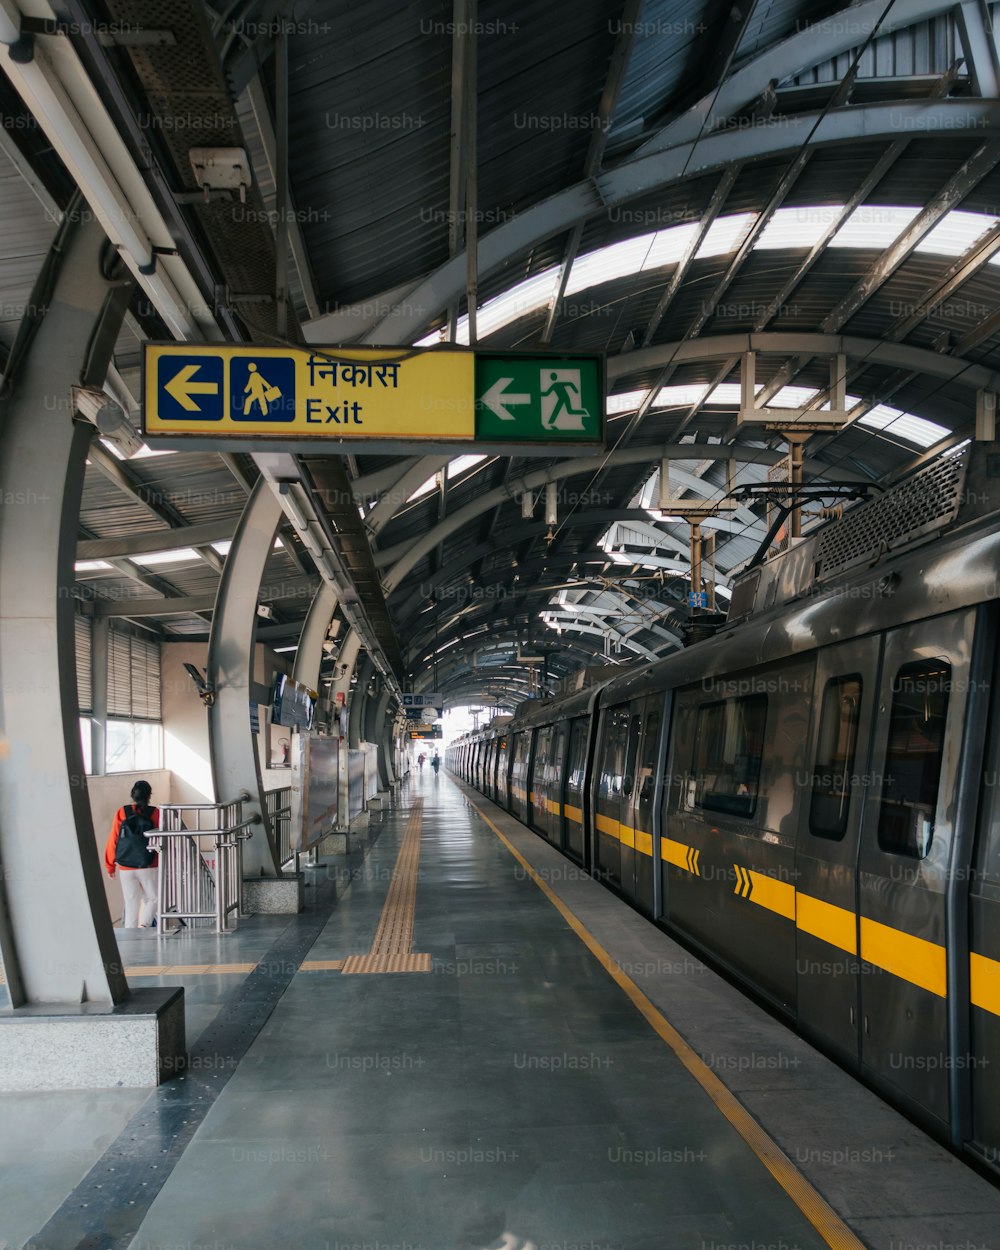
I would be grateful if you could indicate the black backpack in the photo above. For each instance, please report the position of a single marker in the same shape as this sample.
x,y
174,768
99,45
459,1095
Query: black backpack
x,y
131,850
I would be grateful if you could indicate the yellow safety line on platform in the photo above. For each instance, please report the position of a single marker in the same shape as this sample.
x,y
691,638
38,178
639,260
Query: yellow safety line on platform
x,y
321,965
390,950
810,1202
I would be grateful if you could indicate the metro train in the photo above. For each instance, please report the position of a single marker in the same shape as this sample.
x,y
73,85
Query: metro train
x,y
809,797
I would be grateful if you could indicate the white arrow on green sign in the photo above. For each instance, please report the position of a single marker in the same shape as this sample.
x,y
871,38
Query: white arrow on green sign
x,y
498,397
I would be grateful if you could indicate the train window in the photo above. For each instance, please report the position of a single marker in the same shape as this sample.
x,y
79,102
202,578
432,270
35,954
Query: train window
x,y
628,779
728,749
833,774
650,744
913,757
577,754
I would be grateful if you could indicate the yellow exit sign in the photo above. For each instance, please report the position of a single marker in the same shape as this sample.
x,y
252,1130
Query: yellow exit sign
x,y
255,392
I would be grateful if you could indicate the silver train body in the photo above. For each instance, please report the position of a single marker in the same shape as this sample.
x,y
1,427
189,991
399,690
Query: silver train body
x,y
810,796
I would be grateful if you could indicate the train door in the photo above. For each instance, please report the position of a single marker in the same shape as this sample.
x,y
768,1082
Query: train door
x,y
608,797
487,767
826,850
576,771
555,789
626,805
908,859
538,813
638,790
519,776
501,778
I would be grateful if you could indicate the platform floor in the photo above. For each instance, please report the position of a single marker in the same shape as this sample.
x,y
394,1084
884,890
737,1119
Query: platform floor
x,y
561,1075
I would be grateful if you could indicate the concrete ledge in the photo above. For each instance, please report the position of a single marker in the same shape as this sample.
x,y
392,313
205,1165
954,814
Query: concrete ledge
x,y
334,844
274,896
138,1043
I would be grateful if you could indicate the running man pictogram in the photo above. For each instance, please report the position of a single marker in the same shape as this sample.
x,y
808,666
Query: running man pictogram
x,y
559,399
258,391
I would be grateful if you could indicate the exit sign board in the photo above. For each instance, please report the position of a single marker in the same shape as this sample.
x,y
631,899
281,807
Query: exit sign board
x,y
387,399
534,398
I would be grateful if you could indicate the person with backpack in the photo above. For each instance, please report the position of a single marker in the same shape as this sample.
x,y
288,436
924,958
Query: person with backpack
x,y
127,849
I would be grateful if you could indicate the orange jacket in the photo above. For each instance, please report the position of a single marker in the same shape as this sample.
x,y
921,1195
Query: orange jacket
x,y
112,842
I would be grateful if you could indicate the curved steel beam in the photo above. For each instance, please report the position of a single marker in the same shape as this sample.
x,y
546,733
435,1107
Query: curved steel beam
x,y
396,496
404,557
56,940
473,640
490,605
836,33
644,175
233,752
871,351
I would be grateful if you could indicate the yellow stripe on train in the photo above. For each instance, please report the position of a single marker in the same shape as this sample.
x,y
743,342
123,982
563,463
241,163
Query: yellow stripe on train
x,y
914,959
836,925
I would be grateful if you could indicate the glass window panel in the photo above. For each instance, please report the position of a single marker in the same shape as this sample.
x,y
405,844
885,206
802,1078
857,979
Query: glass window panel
x,y
728,750
834,774
913,757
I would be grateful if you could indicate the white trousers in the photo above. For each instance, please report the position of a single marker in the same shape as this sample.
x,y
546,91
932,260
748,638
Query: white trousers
x,y
140,886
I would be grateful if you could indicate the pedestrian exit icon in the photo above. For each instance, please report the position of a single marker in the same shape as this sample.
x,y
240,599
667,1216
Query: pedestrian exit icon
x,y
262,389
561,395
528,398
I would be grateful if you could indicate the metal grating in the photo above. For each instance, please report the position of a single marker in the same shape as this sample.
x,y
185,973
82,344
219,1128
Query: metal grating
x,y
919,505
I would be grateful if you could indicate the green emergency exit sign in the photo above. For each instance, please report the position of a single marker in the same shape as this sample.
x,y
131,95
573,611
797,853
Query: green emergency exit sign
x,y
539,399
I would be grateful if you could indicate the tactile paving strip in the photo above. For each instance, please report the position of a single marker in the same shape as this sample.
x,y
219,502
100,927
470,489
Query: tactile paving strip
x,y
390,950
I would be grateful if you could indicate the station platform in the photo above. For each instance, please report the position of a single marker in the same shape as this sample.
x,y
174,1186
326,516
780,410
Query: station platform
x,y
464,1043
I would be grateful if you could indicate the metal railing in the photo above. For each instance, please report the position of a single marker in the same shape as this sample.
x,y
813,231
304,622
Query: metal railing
x,y
201,861
279,811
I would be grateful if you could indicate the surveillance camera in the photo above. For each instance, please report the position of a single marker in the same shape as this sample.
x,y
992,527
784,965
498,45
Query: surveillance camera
x,y
206,690
266,611
109,419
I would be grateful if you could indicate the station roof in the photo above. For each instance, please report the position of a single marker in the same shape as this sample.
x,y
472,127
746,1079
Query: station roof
x,y
658,181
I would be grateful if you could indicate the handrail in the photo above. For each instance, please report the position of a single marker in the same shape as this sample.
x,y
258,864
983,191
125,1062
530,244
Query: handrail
x,y
191,889
279,811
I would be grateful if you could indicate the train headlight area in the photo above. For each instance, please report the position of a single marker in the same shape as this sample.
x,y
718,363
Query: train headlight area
x,y
498,625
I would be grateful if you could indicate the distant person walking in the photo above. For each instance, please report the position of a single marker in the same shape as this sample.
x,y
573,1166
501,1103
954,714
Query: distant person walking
x,y
436,762
127,849
420,761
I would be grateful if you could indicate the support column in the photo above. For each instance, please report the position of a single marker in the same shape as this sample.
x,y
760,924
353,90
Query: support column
x,y
235,766
56,939
309,656
99,643
359,701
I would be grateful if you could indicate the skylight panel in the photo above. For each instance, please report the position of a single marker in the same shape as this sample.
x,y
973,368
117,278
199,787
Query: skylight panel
x,y
425,489
793,397
904,425
627,401
146,453
90,566
461,463
680,396
180,555
618,260
725,235
873,225
803,226
956,233
668,246
727,393
525,297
